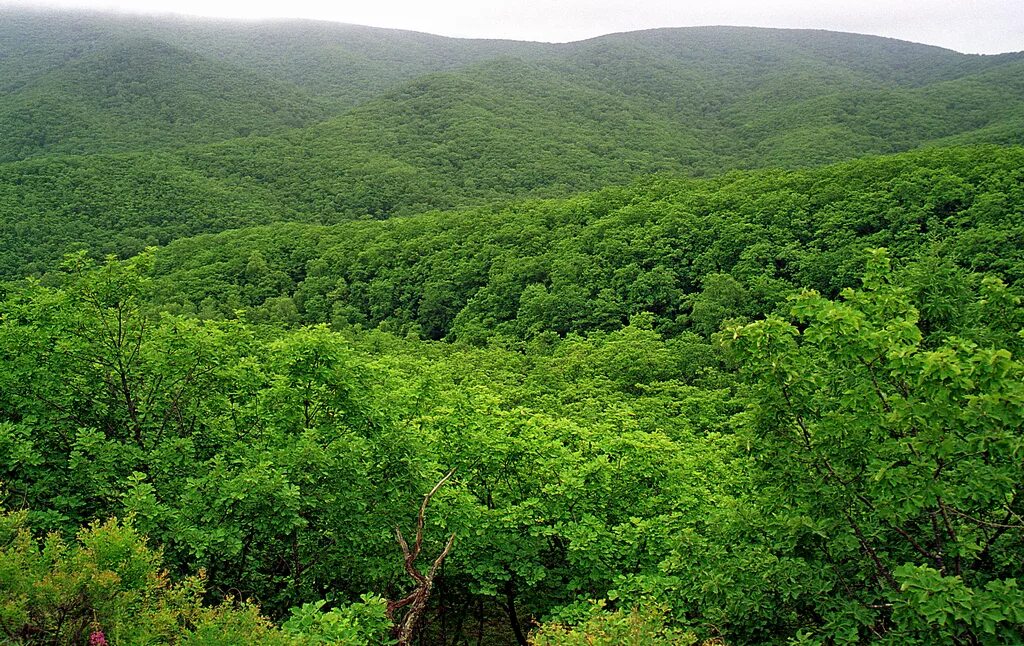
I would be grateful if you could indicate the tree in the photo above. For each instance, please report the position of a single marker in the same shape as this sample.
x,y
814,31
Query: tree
x,y
891,465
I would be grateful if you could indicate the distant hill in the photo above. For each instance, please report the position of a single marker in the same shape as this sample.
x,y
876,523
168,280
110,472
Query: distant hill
x,y
92,82
323,122
339,64
605,111
143,93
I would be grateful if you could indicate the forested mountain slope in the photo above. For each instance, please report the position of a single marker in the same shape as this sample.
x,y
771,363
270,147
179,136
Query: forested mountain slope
x,y
700,336
510,128
346,63
714,405
71,82
92,83
347,122
691,253
495,131
142,93
436,122
114,205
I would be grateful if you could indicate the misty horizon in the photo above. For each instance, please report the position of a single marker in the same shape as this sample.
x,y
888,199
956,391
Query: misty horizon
x,y
994,33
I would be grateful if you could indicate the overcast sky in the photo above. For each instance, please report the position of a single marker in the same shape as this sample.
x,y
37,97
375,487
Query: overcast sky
x,y
973,26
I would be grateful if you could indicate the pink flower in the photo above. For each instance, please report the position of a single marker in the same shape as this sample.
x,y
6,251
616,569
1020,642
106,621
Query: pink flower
x,y
97,638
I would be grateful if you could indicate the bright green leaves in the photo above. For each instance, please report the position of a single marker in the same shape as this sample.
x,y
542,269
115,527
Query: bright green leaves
x,y
910,451
227,445
939,608
364,623
313,381
109,581
636,627
802,479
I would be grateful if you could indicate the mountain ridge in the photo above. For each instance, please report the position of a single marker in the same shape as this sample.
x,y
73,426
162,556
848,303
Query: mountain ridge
x,y
342,122
185,19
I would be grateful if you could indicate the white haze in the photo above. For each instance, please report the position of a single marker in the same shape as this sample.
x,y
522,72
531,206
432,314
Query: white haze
x,y
971,26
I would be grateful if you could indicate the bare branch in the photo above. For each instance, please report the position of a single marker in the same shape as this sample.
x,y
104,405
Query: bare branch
x,y
423,509
417,599
437,562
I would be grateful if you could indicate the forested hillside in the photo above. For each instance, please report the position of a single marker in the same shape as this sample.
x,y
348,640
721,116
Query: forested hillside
x,y
323,334
691,253
436,123
139,94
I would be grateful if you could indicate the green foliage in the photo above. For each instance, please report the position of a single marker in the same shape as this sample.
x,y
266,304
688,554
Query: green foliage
x,y
223,444
682,396
638,627
359,624
887,466
692,254
281,461
856,478
111,205
935,606
109,582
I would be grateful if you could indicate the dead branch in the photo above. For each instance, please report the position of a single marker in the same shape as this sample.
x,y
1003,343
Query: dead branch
x,y
417,599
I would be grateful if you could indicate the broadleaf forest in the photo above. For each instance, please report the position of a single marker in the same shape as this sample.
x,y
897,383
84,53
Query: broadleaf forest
x,y
313,333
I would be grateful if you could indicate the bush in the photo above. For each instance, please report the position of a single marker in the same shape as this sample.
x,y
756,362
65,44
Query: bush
x,y
108,587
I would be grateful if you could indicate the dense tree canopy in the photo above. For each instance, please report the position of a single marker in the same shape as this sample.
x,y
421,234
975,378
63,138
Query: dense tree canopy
x,y
308,336
847,475
689,253
324,123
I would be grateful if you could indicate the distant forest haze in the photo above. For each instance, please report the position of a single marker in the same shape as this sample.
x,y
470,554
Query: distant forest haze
x,y
977,27
314,333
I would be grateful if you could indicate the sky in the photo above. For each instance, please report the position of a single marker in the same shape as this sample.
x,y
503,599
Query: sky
x,y
970,26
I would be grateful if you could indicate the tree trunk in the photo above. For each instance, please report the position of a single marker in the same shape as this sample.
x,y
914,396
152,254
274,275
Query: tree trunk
x,y
513,617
